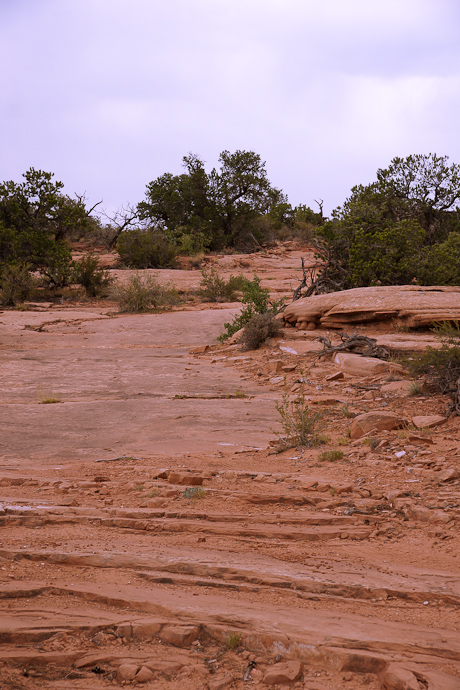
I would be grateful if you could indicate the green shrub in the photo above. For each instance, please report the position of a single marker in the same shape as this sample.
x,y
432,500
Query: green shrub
x,y
88,273
258,329
141,294
256,301
16,284
233,640
146,249
440,365
213,288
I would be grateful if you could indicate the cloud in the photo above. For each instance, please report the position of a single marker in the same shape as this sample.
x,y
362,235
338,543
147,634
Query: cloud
x,y
110,94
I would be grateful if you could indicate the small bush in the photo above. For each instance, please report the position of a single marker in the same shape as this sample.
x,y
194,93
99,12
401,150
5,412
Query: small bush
x,y
213,288
256,301
88,273
440,365
140,294
301,424
258,329
16,284
330,456
146,249
415,388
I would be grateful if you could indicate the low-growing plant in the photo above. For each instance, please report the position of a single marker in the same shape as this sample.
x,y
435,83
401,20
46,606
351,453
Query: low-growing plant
x,y
415,388
301,423
372,442
330,456
237,394
233,640
48,397
346,412
341,441
88,273
194,493
213,288
141,294
16,284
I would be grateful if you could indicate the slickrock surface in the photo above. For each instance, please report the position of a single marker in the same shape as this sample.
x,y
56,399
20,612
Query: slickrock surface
x,y
151,535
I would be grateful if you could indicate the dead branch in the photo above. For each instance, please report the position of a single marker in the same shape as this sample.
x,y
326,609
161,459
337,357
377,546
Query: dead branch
x,y
357,344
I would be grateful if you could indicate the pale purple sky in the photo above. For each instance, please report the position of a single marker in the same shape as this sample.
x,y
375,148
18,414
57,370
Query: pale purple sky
x,y
110,94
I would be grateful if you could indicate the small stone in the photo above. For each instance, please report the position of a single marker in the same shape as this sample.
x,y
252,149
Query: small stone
x,y
285,673
185,479
127,672
200,350
274,366
220,682
144,675
428,421
179,636
336,376
448,475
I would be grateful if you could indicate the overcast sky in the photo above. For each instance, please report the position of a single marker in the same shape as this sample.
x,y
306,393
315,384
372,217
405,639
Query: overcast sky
x,y
110,94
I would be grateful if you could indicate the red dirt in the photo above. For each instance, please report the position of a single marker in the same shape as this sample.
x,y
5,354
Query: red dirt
x,y
112,567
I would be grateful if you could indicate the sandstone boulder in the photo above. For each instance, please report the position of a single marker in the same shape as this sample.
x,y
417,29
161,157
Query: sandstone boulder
x,y
413,305
381,421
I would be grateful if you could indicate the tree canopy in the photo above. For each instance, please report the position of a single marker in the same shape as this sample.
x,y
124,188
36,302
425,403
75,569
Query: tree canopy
x,y
394,230
215,209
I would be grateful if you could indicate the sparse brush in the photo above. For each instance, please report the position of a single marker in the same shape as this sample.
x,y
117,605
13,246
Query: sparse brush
x,y
346,412
213,288
301,424
233,640
330,456
258,329
237,394
372,442
141,294
194,492
88,273
343,441
415,388
48,397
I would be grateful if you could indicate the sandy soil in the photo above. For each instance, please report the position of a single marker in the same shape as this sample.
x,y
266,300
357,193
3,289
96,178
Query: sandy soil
x,y
151,533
